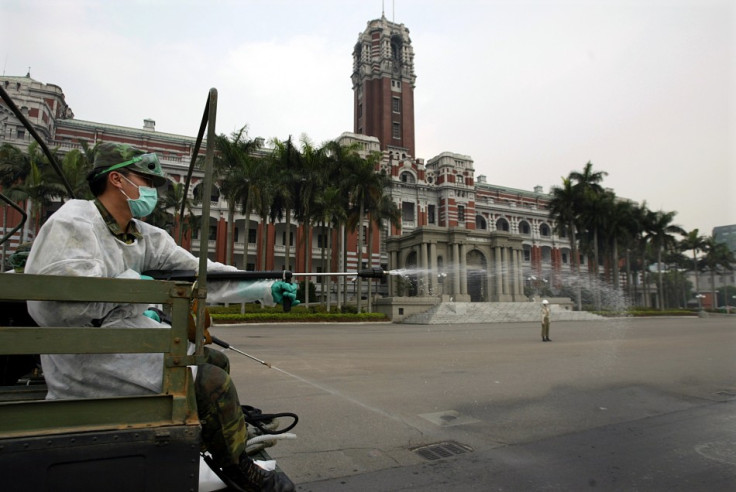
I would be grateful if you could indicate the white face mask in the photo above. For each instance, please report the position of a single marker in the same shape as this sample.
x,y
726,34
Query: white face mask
x,y
146,202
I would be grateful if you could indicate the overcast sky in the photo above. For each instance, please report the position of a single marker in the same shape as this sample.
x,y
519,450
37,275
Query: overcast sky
x,y
529,89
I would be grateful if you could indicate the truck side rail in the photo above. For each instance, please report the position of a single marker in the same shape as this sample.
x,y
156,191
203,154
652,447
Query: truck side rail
x,y
175,405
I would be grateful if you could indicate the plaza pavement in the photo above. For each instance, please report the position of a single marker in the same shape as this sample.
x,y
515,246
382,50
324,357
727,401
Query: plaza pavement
x,y
623,404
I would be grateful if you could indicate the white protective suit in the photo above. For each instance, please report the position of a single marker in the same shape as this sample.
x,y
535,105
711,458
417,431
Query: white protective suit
x,y
76,241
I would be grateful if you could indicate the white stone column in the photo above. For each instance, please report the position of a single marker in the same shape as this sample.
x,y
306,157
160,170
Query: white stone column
x,y
393,264
456,272
506,270
520,273
463,270
499,272
424,267
433,268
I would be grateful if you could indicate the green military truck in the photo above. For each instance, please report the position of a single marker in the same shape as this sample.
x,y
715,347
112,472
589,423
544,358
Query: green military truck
x,y
137,443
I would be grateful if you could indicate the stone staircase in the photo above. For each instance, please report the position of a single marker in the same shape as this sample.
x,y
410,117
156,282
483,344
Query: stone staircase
x,y
494,312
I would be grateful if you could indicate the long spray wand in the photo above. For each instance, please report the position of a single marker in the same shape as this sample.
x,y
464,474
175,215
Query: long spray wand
x,y
224,344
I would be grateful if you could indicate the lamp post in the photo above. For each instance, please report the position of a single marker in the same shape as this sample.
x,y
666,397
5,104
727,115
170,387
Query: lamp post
x,y
441,283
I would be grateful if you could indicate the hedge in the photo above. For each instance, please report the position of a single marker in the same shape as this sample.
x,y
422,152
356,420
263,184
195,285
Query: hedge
x,y
296,316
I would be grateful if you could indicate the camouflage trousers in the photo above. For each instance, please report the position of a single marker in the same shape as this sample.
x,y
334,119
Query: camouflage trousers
x,y
223,427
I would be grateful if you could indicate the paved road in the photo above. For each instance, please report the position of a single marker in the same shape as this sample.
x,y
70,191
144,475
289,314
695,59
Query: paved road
x,y
633,404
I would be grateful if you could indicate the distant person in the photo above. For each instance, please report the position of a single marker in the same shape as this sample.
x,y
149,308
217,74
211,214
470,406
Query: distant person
x,y
545,321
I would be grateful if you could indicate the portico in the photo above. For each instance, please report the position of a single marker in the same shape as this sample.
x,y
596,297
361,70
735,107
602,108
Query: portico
x,y
457,264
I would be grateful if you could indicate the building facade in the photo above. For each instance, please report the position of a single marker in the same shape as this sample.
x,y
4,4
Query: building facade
x,y
460,236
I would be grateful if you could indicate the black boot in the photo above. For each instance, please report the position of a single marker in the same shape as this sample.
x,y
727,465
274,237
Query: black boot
x,y
252,478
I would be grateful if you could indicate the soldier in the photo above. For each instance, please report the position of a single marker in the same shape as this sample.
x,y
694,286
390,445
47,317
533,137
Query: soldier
x,y
545,321
102,238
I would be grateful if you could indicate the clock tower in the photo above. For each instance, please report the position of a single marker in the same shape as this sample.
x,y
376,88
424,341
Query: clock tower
x,y
383,85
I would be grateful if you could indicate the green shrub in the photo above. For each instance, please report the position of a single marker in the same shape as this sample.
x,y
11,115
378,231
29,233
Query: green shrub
x,y
295,317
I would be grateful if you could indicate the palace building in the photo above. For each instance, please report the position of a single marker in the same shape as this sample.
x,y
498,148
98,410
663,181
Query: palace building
x,y
460,237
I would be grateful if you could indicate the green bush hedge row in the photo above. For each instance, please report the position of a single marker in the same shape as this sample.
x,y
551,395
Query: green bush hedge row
x,y
295,316
640,312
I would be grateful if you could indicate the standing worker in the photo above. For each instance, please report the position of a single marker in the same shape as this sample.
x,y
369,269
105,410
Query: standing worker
x,y
105,237
545,321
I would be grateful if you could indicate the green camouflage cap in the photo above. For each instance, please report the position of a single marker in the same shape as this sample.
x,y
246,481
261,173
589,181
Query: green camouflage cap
x,y
113,156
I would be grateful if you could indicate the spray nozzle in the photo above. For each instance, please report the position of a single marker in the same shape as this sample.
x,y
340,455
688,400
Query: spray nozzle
x,y
375,272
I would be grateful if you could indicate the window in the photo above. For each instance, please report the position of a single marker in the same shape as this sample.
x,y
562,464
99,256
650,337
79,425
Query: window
x,y
430,214
407,177
524,228
283,239
396,105
21,133
236,235
251,235
396,130
527,254
460,213
502,225
321,240
544,230
407,211
480,222
213,233
565,260
214,194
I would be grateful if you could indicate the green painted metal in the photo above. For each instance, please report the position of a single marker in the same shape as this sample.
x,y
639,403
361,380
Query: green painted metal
x,y
60,416
90,289
65,340
174,406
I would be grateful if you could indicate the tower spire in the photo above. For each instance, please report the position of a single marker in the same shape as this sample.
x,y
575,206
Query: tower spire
x,y
383,85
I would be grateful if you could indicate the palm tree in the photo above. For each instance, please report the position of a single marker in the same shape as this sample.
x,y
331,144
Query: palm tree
x,y
616,219
694,242
562,210
37,189
380,210
310,183
716,255
587,179
366,187
660,235
261,195
637,227
331,212
285,160
588,192
165,215
75,166
233,164
14,165
344,159
14,168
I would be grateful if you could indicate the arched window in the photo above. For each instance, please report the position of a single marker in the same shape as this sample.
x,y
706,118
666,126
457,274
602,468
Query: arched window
x,y
480,222
407,177
524,228
544,230
502,225
527,252
214,194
